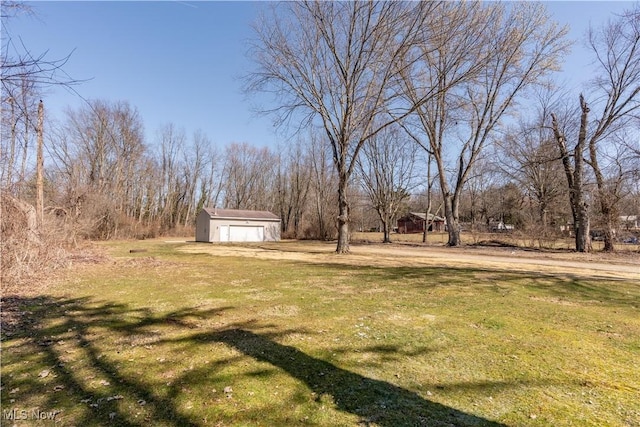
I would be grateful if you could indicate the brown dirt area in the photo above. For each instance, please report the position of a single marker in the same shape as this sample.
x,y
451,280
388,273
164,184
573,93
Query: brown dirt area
x,y
595,265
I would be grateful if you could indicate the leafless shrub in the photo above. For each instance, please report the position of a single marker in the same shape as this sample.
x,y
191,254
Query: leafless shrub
x,y
27,252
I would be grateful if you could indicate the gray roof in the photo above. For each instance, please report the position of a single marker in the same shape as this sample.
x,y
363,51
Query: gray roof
x,y
240,214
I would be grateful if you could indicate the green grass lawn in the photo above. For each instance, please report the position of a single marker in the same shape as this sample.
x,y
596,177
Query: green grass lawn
x,y
166,338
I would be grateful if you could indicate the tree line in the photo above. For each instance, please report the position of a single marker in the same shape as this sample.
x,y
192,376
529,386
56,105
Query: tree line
x,y
103,180
454,75
439,107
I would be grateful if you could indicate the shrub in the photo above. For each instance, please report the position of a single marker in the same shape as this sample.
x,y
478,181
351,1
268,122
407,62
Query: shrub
x,y
27,251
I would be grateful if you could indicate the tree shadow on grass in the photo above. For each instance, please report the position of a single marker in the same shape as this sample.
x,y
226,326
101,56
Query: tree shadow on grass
x,y
45,329
374,401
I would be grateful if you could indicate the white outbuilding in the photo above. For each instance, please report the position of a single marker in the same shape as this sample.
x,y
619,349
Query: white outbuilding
x,y
233,225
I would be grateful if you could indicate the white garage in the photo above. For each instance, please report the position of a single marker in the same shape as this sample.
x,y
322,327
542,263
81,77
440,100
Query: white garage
x,y
232,225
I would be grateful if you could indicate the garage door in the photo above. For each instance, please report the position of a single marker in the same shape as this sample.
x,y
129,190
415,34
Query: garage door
x,y
239,233
224,233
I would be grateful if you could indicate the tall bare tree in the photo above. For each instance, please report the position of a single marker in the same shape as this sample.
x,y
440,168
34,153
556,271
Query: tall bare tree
x,y
211,183
173,140
249,177
293,182
334,64
617,49
615,91
97,155
195,159
527,155
386,169
323,179
490,54
574,167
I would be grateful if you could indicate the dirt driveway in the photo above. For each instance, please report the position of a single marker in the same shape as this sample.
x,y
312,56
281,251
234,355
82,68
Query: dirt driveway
x,y
621,266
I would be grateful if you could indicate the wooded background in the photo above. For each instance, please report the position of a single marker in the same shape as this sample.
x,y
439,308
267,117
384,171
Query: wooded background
x,y
441,107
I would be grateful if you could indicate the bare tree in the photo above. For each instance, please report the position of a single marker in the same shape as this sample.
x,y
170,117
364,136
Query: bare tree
x,y
20,64
619,171
633,143
19,117
476,207
335,63
386,170
527,154
447,57
617,48
194,163
293,182
23,78
40,165
211,183
172,186
108,174
616,94
323,179
97,155
490,55
574,172
248,177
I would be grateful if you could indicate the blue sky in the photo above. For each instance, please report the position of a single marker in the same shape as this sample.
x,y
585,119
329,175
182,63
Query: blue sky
x,y
180,61
176,62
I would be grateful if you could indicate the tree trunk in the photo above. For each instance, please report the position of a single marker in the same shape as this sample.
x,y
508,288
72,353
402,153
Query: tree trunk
x,y
385,231
609,229
428,210
582,228
574,174
450,205
12,148
343,216
320,213
425,231
605,197
40,166
609,236
542,209
452,221
25,149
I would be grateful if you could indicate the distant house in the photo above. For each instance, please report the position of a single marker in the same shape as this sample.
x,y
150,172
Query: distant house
x,y
414,222
500,226
629,222
232,225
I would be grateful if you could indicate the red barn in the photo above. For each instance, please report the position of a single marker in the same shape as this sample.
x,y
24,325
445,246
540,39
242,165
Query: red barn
x,y
414,222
